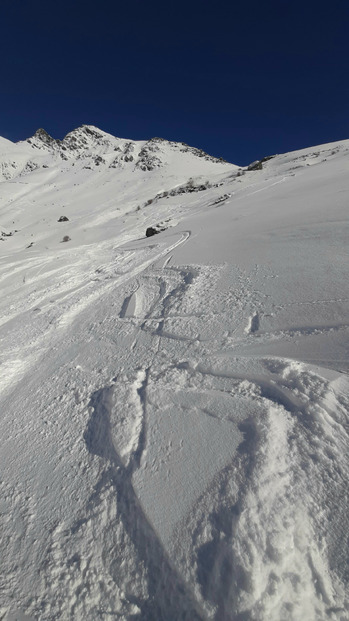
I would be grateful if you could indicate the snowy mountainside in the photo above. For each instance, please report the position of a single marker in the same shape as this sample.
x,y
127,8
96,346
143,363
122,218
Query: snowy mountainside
x,y
174,409
97,148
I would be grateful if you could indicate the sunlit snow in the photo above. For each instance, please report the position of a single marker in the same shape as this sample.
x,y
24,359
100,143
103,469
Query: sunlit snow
x,y
174,408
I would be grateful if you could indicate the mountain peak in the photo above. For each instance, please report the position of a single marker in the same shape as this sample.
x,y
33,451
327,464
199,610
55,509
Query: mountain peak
x,y
42,139
88,130
43,135
85,137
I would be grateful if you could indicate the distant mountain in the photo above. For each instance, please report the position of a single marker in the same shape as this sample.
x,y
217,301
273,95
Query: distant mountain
x,y
94,148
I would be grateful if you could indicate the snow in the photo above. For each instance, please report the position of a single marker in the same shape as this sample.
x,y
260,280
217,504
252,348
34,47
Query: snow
x,y
174,409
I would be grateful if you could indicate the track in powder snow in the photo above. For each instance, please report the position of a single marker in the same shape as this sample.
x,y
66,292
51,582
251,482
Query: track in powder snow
x,y
279,408
242,516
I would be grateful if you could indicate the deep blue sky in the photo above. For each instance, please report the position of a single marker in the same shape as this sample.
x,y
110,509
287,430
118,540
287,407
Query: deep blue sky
x,y
240,80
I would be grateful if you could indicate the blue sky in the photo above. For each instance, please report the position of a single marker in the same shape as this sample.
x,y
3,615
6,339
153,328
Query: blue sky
x,y
240,80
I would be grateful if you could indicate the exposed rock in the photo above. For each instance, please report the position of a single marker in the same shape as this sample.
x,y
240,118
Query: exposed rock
x,y
147,160
154,230
151,231
258,164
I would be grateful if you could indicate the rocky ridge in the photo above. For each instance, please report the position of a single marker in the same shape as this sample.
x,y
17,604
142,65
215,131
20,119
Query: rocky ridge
x,y
89,142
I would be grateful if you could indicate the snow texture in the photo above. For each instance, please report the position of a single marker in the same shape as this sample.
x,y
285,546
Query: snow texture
x,y
174,409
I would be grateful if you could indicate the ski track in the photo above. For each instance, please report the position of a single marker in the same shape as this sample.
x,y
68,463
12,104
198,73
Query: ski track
x,y
242,546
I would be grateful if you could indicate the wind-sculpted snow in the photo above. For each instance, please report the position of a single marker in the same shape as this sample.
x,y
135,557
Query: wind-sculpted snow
x,y
174,409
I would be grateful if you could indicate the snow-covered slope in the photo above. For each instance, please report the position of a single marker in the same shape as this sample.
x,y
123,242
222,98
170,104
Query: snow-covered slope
x,y
174,408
